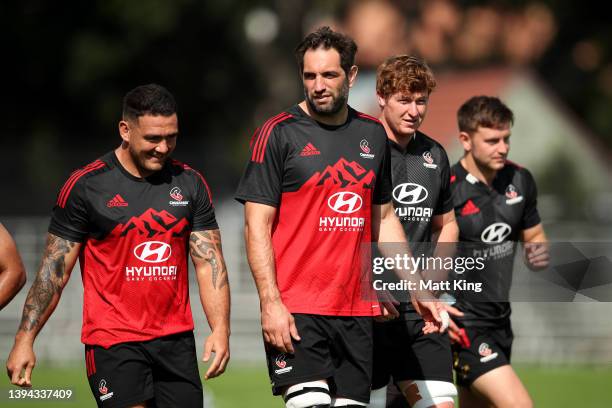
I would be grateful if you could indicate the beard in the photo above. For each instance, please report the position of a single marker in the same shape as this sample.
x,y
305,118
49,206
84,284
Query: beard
x,y
332,108
142,162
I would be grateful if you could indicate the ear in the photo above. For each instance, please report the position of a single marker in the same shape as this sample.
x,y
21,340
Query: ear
x,y
124,131
382,102
466,141
352,76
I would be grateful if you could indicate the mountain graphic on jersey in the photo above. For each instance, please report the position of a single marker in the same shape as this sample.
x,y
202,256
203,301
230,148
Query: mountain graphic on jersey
x,y
344,174
152,223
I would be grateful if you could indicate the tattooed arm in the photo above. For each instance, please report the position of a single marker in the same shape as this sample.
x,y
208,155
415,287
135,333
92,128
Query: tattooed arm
x,y
211,272
57,263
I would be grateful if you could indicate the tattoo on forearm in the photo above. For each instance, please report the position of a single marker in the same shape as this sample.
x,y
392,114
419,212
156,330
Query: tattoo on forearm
x,y
207,245
48,282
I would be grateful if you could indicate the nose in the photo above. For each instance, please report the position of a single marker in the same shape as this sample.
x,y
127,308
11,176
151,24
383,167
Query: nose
x,y
412,110
504,147
319,84
162,147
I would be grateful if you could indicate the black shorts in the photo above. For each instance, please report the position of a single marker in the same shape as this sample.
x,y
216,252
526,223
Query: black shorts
x,y
402,352
336,348
163,370
488,348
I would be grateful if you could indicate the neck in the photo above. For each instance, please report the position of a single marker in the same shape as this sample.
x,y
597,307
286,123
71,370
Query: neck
x,y
336,119
401,140
483,174
126,160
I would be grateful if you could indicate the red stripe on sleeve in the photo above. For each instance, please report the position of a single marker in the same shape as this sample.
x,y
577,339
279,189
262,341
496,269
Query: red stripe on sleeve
x,y
69,185
65,191
253,138
372,118
262,152
266,128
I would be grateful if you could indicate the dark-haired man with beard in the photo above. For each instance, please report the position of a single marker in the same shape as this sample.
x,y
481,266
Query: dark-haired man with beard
x,y
130,217
316,190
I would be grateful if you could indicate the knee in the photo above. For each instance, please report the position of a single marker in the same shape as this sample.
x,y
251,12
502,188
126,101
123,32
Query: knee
x,y
314,394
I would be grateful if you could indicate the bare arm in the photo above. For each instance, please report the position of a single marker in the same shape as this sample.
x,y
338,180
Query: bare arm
x,y
386,228
58,260
278,324
12,272
211,272
536,247
444,227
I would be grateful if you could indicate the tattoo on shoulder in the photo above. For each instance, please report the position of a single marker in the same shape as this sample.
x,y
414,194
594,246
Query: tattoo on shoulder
x,y
48,282
207,245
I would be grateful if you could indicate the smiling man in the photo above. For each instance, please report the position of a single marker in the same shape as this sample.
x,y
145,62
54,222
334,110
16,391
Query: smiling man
x,y
130,217
418,364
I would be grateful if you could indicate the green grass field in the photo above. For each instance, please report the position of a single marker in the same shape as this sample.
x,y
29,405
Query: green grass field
x,y
247,386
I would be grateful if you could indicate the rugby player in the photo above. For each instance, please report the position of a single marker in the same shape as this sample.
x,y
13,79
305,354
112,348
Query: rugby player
x,y
495,203
317,189
12,272
420,365
130,217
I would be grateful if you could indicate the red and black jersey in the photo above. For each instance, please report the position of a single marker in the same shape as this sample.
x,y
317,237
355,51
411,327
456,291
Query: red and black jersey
x,y
323,180
490,221
135,235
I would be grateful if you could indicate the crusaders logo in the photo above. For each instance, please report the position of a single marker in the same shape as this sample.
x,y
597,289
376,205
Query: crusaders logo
x,y
364,146
280,361
511,191
175,193
102,387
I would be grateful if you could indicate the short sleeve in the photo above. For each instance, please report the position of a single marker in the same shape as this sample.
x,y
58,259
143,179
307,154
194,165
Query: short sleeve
x,y
70,219
531,217
383,187
262,179
445,200
204,212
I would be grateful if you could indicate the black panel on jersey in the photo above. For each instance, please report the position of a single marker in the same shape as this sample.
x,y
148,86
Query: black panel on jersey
x,y
497,214
424,163
88,210
280,146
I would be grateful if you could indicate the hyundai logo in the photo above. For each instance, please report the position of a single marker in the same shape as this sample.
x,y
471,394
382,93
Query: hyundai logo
x,y
153,251
495,233
345,202
410,193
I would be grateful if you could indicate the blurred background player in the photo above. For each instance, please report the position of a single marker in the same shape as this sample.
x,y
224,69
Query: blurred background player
x,y
316,189
130,217
12,272
420,365
495,203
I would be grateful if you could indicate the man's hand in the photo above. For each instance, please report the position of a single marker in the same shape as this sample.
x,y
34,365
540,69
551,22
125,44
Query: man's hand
x,y
21,359
388,306
536,255
218,343
278,326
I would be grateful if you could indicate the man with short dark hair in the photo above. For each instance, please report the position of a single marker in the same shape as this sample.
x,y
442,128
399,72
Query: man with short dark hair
x,y
12,272
130,217
495,203
316,192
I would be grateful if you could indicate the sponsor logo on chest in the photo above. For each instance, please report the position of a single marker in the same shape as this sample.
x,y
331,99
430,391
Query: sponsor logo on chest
x,y
410,195
343,203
